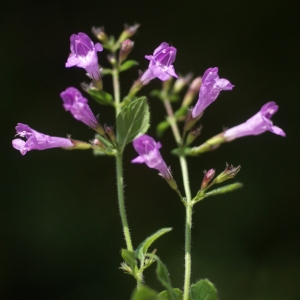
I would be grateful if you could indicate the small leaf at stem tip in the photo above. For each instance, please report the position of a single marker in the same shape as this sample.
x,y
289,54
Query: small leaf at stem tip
x,y
144,293
132,121
127,65
203,290
101,97
164,295
143,247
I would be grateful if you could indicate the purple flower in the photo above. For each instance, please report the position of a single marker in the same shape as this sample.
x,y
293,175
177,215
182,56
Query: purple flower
x,y
257,124
84,54
210,89
160,65
149,154
77,105
36,140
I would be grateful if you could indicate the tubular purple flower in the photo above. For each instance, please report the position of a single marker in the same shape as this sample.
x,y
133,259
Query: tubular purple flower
x,y
160,65
210,89
36,140
258,124
78,107
84,54
149,154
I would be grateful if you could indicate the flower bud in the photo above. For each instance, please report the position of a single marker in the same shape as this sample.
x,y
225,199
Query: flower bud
x,y
229,172
181,82
110,132
192,92
208,176
128,32
96,142
100,34
126,48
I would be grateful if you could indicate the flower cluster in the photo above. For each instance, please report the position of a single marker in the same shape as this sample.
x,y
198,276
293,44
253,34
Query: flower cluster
x,y
84,55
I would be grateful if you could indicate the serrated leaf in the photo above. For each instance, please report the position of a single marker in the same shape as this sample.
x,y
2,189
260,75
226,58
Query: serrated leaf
x,y
127,65
129,257
164,295
101,97
144,293
143,247
133,120
203,290
224,189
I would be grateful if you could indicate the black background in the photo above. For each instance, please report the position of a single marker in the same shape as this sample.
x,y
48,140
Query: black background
x,y
60,229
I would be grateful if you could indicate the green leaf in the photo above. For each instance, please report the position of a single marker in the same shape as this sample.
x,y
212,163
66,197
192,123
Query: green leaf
x,y
133,120
143,247
129,257
144,293
161,128
165,295
127,65
106,71
156,93
163,276
203,290
101,97
224,189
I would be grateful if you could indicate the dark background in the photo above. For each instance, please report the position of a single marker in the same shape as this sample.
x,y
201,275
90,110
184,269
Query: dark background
x,y
60,229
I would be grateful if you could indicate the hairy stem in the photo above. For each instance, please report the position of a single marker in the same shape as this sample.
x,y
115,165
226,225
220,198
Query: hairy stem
x,y
172,121
116,84
188,228
188,204
121,201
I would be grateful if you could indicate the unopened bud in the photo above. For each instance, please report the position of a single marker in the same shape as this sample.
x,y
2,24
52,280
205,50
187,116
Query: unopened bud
x,y
192,92
126,48
98,143
181,82
110,132
128,32
208,176
135,88
112,59
229,172
100,34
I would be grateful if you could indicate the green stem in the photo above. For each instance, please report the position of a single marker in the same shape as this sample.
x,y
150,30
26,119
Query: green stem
x,y
116,84
172,121
119,163
188,228
121,201
188,204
